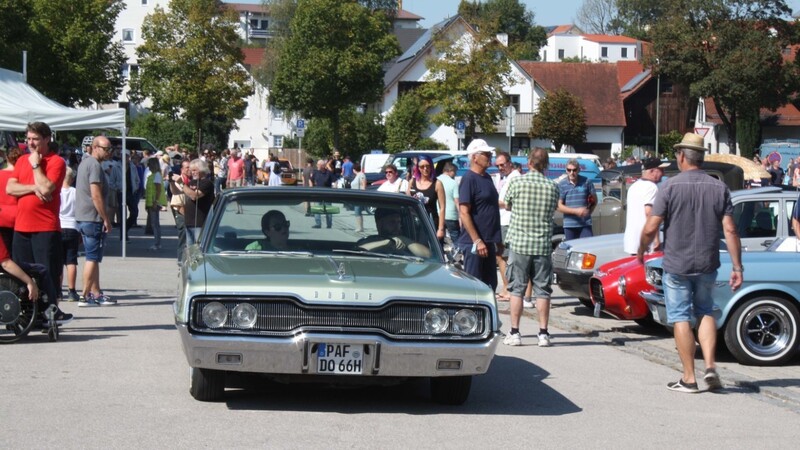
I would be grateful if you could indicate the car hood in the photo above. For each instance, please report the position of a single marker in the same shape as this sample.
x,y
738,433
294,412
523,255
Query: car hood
x,y
339,279
595,243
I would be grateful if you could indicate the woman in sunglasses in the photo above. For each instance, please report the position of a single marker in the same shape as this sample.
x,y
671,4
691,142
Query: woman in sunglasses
x,y
430,192
276,231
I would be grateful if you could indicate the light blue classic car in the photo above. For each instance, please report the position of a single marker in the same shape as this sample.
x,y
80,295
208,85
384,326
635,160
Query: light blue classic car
x,y
301,284
759,322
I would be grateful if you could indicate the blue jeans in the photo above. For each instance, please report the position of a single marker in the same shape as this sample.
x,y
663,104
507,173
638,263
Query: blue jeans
x,y
453,229
684,293
577,233
94,239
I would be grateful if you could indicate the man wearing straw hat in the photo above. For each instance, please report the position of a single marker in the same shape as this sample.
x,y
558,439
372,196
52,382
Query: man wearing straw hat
x,y
694,208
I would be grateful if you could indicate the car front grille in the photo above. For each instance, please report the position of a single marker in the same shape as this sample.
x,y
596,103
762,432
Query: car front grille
x,y
560,257
287,317
596,290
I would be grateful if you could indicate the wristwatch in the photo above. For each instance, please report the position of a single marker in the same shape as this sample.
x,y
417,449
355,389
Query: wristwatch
x,y
34,166
739,269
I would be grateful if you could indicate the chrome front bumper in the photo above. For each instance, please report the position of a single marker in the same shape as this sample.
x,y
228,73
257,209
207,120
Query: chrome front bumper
x,y
295,355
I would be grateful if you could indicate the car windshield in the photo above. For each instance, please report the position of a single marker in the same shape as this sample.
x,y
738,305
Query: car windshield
x,y
365,225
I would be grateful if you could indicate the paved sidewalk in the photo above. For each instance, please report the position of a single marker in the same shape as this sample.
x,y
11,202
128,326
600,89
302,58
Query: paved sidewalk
x,y
656,343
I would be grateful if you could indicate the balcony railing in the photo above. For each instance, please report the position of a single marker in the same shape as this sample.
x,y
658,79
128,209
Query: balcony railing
x,y
260,34
523,123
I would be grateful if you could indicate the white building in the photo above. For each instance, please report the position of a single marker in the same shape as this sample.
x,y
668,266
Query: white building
x,y
262,128
564,43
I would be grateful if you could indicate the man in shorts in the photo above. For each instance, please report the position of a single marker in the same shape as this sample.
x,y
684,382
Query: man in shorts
x,y
93,222
532,199
695,209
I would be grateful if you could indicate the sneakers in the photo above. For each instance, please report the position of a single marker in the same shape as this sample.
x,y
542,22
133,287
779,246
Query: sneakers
x,y
544,340
104,300
513,340
87,301
72,296
682,386
712,380
528,303
62,318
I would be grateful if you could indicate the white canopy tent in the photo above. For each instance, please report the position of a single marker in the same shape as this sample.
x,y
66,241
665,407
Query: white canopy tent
x,y
21,104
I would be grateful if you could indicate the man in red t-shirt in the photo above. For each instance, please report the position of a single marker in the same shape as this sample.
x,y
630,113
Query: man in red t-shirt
x,y
36,182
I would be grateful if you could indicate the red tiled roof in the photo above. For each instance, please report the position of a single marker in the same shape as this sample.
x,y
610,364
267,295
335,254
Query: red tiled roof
x,y
607,39
405,15
626,70
595,84
561,29
785,116
253,56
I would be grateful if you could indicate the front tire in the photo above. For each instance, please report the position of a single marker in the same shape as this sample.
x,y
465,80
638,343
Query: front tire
x,y
207,385
763,331
451,390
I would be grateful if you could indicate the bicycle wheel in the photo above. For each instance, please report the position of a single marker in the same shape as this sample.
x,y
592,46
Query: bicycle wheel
x,y
17,313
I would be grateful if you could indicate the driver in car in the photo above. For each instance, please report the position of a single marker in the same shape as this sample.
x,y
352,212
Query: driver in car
x,y
390,237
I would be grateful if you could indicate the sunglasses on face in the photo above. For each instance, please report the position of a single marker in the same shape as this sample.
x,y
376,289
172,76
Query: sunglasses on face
x,y
572,170
390,171
426,166
279,226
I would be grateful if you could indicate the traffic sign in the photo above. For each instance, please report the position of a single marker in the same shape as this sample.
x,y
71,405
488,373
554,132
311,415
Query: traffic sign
x,y
301,124
461,126
511,114
300,132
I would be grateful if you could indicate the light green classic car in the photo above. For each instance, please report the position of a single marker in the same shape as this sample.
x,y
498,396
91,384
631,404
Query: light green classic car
x,y
301,284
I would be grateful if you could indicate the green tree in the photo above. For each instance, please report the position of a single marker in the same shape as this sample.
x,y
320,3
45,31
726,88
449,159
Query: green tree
x,y
730,51
748,133
406,123
359,133
191,65
561,118
510,17
327,67
73,55
637,17
162,130
468,81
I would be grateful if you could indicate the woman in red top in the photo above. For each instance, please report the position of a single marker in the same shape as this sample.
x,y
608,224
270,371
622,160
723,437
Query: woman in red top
x,y
8,203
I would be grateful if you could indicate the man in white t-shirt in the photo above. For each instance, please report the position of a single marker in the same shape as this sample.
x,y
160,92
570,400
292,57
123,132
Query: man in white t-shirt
x,y
393,183
641,195
505,174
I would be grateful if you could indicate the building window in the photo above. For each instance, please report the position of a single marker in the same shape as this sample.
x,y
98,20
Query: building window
x,y
242,144
277,141
624,52
128,36
405,87
144,2
560,54
513,100
277,114
604,52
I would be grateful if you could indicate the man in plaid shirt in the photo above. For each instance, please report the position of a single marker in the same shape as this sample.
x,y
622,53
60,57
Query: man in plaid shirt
x,y
532,199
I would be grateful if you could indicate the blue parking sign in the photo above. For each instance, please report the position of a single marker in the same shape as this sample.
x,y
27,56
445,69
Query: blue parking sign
x,y
301,123
461,125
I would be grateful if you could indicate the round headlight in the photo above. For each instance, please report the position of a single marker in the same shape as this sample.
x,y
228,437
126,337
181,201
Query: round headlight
x,y
436,321
215,314
245,315
465,321
622,286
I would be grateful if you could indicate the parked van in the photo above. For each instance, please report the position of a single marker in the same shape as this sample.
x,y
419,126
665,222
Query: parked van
x,y
372,165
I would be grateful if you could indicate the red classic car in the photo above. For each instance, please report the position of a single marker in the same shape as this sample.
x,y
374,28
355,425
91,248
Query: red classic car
x,y
615,286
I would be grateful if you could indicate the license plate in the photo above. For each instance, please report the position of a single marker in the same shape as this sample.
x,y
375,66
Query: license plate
x,y
340,359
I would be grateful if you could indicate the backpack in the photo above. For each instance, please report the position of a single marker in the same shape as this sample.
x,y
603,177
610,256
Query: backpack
x,y
276,168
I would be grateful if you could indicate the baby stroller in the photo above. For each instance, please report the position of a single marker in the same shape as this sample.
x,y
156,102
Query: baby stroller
x,y
19,315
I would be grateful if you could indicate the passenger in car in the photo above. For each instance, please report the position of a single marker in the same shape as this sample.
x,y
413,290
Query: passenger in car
x,y
390,238
276,231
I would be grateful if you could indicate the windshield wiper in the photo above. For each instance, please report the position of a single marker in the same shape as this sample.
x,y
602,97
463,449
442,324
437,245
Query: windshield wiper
x,y
381,255
264,252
